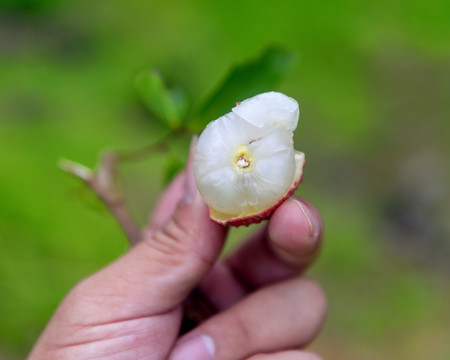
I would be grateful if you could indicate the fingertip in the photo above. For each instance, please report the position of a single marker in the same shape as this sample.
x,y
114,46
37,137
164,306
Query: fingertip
x,y
167,203
182,189
311,215
306,355
293,226
320,304
295,231
287,355
190,186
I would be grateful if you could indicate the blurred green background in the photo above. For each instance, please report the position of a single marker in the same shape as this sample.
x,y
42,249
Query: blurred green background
x,y
373,82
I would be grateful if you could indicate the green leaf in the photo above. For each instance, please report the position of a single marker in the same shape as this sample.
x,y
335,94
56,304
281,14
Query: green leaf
x,y
243,81
168,105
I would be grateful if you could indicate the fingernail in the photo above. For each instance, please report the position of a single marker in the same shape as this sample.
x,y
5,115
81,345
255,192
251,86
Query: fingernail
x,y
198,348
313,234
190,187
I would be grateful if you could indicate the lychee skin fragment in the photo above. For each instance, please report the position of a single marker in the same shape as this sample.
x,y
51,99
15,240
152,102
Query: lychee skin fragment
x,y
245,164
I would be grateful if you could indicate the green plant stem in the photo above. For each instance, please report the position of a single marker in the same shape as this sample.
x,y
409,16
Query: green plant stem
x,y
160,146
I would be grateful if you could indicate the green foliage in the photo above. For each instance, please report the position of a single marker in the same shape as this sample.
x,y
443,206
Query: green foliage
x,y
244,80
168,105
172,166
27,6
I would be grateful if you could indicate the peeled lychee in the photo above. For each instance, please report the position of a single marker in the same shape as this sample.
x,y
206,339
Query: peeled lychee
x,y
245,165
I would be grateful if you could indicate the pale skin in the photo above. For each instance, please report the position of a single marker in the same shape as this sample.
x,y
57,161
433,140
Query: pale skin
x,y
132,309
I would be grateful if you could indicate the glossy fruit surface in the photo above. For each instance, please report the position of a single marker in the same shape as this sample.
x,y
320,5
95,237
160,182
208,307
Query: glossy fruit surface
x,y
245,164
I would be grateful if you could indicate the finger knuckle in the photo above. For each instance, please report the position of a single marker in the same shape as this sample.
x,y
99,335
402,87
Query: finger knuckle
x,y
173,242
242,332
171,238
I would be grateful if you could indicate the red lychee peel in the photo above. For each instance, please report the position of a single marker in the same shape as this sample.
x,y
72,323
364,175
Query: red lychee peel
x,y
264,215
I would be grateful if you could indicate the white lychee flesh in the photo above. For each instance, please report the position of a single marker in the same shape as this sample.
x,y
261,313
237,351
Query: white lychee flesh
x,y
245,163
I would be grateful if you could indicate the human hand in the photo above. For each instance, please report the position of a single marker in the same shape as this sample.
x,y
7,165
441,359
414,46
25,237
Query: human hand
x,y
133,308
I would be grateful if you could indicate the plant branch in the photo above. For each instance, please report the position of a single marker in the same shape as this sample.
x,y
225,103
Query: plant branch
x,y
161,146
103,183
104,180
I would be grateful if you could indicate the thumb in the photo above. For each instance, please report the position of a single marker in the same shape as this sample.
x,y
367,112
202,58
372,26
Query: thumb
x,y
158,274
